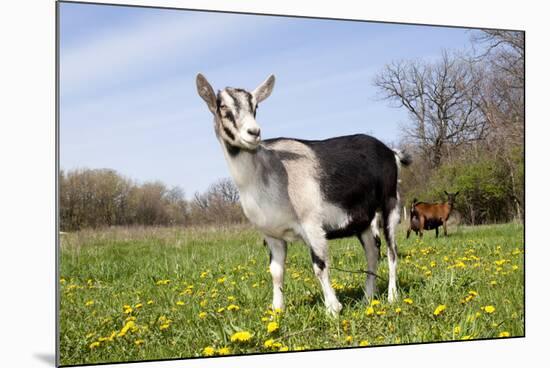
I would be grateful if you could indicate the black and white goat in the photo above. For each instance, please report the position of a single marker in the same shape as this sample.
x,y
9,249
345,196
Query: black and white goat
x,y
293,189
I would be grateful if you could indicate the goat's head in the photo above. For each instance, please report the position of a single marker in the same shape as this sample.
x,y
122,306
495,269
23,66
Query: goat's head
x,y
234,111
451,197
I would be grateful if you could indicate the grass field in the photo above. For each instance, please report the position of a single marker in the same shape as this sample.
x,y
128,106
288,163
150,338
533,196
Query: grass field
x,y
141,294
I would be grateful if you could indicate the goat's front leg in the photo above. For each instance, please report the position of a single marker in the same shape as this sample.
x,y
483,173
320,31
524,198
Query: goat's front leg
x,y
314,236
445,228
277,256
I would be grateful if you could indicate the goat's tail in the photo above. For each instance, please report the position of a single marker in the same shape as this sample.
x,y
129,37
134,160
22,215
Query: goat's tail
x,y
402,157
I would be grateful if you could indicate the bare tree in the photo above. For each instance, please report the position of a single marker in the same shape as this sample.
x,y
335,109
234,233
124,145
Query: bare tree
x,y
441,100
226,190
502,56
219,204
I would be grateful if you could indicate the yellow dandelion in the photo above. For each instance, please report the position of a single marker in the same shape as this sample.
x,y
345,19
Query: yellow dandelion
x,y
467,337
126,327
179,302
345,325
202,315
504,334
164,326
466,299
408,301
370,311
364,343
283,348
138,305
459,264
489,309
241,336
139,342
203,303
269,343
89,303
221,280
272,327
221,309
163,282
224,351
94,344
208,351
231,298
112,336
397,310
348,339
204,274
440,308
374,303
149,302
233,307
163,319
456,330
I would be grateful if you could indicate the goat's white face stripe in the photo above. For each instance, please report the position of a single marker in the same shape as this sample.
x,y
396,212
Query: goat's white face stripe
x,y
238,124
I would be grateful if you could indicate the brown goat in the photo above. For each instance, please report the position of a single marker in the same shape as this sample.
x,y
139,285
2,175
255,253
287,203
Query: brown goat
x,y
428,216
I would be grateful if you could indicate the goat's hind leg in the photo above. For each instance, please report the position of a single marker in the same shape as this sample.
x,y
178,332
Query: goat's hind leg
x,y
372,252
391,220
314,236
277,256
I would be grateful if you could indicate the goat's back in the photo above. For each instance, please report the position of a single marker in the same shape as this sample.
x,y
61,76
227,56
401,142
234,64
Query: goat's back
x,y
357,173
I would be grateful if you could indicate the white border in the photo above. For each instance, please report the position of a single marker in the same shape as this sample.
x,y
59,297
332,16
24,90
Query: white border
x,y
27,185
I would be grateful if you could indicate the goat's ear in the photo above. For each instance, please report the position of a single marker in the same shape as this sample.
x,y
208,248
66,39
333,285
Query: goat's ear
x,y
445,192
206,92
457,192
264,90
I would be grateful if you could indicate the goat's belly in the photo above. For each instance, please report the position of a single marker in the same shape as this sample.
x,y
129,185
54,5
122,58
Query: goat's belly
x,y
272,220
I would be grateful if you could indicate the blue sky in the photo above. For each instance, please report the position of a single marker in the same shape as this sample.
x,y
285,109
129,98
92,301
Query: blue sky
x,y
127,83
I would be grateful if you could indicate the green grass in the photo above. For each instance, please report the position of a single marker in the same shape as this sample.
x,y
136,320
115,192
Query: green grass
x,y
210,269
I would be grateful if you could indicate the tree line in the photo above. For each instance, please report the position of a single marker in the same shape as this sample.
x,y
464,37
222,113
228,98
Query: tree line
x,y
466,125
92,198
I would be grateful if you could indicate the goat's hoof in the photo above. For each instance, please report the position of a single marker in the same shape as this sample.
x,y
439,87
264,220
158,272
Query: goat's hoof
x,y
334,308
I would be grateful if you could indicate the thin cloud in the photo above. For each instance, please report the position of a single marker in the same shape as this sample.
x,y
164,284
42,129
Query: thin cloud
x,y
148,43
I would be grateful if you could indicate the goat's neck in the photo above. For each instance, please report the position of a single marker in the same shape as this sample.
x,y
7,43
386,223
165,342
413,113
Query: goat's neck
x,y
245,165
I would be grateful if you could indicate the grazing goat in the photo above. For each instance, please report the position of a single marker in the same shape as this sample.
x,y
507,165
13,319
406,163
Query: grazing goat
x,y
293,189
428,216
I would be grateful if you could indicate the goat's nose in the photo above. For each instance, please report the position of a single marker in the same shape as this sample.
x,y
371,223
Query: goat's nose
x,y
254,132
